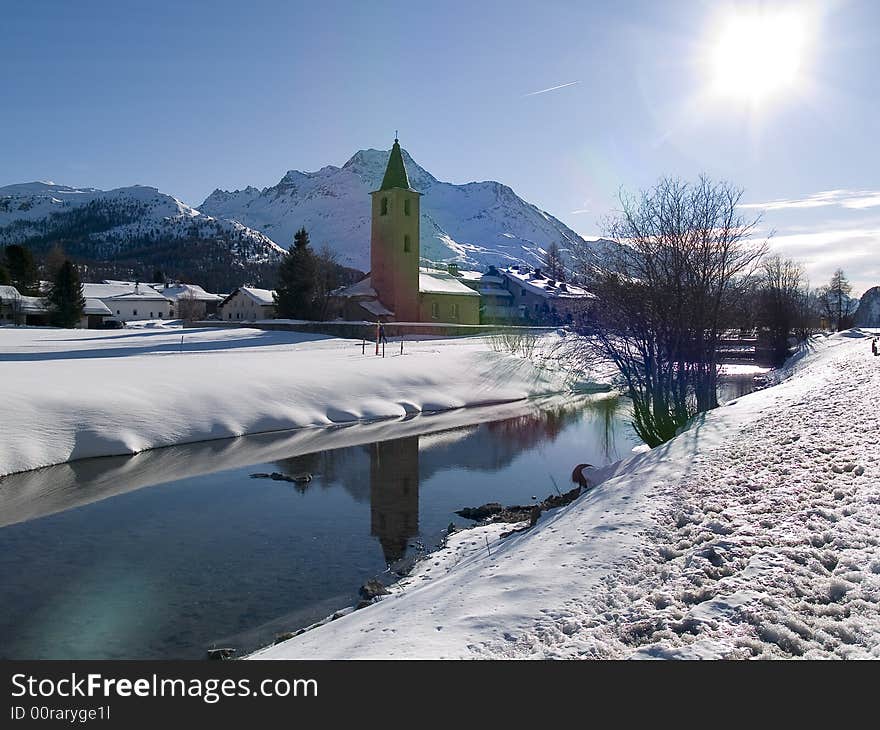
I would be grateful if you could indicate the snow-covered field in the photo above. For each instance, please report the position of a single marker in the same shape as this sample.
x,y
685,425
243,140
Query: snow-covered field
x,y
756,533
71,394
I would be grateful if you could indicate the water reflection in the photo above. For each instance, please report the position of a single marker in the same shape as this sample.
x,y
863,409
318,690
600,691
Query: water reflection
x,y
95,562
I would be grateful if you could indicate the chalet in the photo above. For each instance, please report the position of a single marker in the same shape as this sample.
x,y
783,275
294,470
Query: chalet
x,y
248,304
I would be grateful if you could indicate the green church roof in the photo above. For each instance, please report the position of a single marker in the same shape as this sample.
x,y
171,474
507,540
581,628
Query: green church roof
x,y
395,173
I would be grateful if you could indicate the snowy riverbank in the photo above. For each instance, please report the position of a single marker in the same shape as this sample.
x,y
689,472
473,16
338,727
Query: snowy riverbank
x,y
756,533
72,394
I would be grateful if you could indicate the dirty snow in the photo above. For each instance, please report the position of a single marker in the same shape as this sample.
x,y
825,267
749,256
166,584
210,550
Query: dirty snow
x,y
754,534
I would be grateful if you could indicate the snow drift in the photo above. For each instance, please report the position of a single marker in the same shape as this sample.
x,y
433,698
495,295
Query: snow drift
x,y
73,394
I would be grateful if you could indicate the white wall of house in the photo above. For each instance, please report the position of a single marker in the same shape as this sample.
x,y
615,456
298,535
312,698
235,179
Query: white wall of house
x,y
240,307
133,310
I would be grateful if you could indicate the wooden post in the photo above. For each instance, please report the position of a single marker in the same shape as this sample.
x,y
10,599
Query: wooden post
x,y
364,346
401,344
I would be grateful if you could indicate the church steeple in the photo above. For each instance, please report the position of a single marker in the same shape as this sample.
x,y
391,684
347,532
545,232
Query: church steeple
x,y
395,173
394,241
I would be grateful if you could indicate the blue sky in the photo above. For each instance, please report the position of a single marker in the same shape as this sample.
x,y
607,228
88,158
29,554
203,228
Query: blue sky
x,y
193,96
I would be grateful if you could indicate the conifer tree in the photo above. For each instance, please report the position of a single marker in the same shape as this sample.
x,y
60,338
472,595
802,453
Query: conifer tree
x,y
294,295
22,270
4,275
65,299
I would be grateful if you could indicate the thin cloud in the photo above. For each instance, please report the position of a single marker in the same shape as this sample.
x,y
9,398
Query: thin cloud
x,y
552,88
852,199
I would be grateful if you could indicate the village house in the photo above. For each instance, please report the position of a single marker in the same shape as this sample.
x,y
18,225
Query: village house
x,y
129,302
248,304
18,309
539,299
190,301
397,289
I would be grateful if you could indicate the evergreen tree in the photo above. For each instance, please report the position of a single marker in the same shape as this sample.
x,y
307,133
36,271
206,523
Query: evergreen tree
x,y
158,276
54,261
294,295
22,270
65,299
4,275
837,301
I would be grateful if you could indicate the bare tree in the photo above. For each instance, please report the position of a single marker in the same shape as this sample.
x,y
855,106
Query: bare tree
x,y
189,309
784,304
554,263
684,258
327,278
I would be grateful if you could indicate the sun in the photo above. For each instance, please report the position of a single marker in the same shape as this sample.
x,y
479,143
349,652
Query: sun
x,y
758,55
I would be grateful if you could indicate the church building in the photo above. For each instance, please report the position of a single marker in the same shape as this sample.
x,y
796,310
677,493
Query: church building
x,y
397,289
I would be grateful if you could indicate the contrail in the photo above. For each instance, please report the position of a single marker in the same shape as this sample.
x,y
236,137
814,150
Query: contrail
x,y
552,88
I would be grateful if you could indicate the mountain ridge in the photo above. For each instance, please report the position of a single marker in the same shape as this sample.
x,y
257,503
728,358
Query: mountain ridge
x,y
471,224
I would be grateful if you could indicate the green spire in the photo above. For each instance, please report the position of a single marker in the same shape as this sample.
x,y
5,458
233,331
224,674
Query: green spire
x,y
395,173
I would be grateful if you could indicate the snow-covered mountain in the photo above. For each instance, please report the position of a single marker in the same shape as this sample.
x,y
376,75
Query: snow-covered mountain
x,y
473,224
106,222
868,313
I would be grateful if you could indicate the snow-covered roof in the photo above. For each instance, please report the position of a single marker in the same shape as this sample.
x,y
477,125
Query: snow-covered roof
x,y
374,306
438,282
120,291
494,291
193,291
543,286
470,275
35,305
96,306
363,288
262,297
8,292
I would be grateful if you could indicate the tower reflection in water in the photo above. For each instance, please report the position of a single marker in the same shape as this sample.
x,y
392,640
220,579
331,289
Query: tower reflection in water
x,y
394,495
396,468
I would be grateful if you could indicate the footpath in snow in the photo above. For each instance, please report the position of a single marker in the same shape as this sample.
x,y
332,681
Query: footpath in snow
x,y
756,533
72,394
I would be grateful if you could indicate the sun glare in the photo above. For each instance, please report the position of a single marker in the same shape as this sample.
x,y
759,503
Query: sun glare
x,y
759,55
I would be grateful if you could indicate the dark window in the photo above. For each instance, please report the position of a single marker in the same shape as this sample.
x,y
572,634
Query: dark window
x,y
522,292
384,210
406,206
135,313
406,246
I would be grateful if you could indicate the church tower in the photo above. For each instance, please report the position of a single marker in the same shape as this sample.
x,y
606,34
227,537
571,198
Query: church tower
x,y
394,241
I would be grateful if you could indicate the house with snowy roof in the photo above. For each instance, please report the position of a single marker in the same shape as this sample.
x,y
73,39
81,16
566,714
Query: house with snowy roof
x,y
129,301
190,301
248,304
539,298
397,288
16,308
